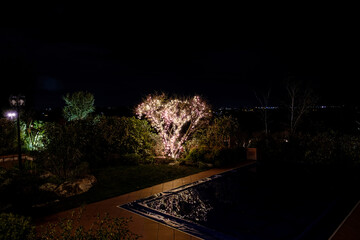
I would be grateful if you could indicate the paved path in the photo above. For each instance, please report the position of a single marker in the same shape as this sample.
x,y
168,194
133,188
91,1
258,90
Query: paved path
x,y
149,229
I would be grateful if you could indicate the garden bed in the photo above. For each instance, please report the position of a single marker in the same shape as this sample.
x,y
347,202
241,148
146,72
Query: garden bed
x,y
117,180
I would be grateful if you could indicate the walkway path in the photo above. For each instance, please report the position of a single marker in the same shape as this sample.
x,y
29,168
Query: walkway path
x,y
149,229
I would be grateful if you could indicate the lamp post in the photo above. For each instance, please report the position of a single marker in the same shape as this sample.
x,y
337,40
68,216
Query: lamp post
x,y
17,102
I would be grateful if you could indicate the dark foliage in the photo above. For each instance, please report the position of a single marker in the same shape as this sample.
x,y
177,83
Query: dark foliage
x,y
8,141
19,190
75,147
327,150
103,228
16,227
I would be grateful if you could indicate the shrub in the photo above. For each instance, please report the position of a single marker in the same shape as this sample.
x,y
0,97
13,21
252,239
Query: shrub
x,y
8,140
32,134
130,159
97,141
217,156
223,132
200,154
322,148
227,156
350,146
19,190
16,227
64,148
127,135
327,149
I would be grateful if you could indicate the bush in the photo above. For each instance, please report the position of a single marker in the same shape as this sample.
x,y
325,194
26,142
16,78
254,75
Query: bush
x,y
269,149
322,149
223,132
8,141
64,146
326,149
217,156
32,134
97,141
200,154
227,156
19,190
130,159
350,146
126,136
16,227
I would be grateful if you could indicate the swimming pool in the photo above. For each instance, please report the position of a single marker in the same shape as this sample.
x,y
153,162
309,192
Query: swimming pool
x,y
242,204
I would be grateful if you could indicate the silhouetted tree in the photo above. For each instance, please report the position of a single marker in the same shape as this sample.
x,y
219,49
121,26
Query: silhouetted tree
x,y
300,101
264,104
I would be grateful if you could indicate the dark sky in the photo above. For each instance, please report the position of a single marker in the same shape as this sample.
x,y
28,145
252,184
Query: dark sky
x,y
122,53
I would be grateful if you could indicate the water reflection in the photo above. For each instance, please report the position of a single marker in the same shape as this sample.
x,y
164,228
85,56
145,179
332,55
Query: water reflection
x,y
188,204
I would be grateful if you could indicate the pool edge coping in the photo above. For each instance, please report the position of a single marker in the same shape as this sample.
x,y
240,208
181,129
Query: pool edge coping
x,y
345,219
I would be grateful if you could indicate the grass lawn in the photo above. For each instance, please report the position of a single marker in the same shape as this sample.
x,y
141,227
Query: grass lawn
x,y
117,180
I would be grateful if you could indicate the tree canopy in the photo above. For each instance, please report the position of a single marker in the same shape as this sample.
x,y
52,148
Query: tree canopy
x,y
78,105
175,119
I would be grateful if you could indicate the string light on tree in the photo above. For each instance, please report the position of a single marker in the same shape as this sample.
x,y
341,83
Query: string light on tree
x,y
174,119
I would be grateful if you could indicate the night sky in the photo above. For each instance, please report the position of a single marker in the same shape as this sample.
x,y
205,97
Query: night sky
x,y
122,53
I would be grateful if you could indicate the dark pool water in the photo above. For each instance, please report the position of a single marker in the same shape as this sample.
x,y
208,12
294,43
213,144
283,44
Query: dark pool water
x,y
243,204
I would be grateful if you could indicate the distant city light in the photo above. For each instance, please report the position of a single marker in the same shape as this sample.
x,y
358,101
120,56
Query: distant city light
x,y
11,115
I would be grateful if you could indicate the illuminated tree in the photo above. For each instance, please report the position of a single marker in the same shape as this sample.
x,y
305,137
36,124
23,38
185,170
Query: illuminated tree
x,y
174,119
79,105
